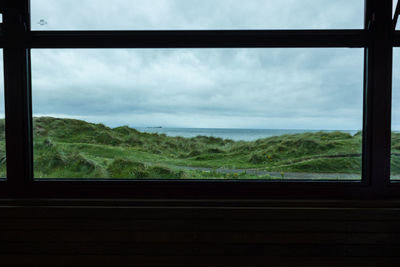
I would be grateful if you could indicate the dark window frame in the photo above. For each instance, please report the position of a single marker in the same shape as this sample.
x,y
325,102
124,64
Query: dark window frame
x,y
377,39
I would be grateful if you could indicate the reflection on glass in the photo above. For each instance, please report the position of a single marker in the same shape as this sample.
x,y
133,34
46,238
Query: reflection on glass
x,y
198,113
196,14
3,158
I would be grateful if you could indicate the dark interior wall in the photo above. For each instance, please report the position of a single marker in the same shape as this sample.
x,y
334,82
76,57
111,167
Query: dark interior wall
x,y
224,233
120,233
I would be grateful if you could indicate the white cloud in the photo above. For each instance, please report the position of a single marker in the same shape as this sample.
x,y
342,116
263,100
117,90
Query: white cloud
x,y
396,91
196,14
227,87
241,88
2,107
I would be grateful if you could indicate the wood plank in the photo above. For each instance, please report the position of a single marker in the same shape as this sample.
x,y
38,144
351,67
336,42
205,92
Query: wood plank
x,y
202,225
208,249
337,203
199,237
195,213
109,260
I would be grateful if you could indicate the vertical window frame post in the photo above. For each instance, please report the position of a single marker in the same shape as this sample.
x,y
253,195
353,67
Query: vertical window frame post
x,y
17,72
377,95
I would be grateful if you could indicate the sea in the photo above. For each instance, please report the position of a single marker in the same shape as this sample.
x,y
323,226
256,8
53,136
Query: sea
x,y
233,134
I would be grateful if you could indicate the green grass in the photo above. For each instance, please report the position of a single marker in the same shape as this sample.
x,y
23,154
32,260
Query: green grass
x,y
67,148
3,159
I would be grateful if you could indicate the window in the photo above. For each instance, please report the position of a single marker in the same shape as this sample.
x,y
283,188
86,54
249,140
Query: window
x,y
3,158
198,113
362,113
196,14
395,172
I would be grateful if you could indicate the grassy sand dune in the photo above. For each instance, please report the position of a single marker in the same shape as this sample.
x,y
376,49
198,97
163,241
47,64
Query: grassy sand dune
x,y
70,148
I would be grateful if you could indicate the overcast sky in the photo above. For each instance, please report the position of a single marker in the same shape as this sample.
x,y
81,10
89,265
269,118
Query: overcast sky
x,y
224,88
196,14
228,88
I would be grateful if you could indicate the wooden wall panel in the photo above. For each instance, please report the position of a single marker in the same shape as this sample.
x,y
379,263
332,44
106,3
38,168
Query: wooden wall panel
x,y
129,235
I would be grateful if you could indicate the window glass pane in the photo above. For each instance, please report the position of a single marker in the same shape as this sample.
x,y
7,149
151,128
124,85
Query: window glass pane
x,y
394,10
198,113
195,14
395,159
2,122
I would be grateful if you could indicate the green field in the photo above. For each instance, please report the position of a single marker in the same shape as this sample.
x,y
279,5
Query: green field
x,y
67,148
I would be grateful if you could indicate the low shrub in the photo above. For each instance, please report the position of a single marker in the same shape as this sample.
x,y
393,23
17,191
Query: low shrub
x,y
124,168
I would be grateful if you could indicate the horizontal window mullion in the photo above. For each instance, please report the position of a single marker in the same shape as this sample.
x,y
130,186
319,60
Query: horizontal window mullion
x,y
197,39
2,40
204,190
396,38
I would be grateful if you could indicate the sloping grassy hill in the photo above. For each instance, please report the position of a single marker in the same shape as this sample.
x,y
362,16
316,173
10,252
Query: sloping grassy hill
x,y
2,149
77,149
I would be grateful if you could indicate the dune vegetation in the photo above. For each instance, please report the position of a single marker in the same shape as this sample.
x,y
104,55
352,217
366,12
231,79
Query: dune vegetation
x,y
68,148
